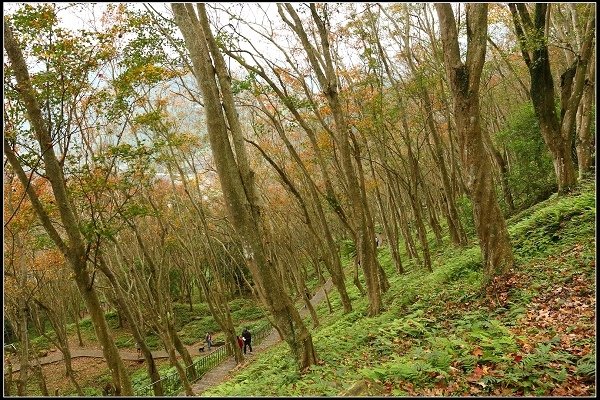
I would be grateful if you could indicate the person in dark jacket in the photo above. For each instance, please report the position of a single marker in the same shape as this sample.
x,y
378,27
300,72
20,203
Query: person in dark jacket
x,y
247,338
209,340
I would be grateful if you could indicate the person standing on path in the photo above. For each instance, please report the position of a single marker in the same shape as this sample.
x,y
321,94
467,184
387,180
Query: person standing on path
x,y
209,340
240,342
247,338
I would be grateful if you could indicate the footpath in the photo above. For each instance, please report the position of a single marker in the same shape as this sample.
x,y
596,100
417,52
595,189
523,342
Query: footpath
x,y
128,355
222,371
213,377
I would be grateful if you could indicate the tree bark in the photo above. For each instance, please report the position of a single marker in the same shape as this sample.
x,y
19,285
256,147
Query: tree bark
x,y
464,80
236,177
75,251
557,131
361,221
133,325
585,139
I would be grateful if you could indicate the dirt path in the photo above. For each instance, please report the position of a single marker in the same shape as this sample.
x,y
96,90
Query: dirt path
x,y
218,374
129,355
215,376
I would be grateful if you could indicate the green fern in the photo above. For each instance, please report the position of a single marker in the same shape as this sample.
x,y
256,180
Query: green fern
x,y
586,366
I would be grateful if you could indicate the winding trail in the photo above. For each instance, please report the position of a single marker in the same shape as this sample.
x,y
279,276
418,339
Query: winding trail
x,y
213,377
129,355
219,374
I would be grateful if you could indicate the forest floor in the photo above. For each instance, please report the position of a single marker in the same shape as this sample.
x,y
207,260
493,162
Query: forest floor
x,y
442,333
88,361
447,333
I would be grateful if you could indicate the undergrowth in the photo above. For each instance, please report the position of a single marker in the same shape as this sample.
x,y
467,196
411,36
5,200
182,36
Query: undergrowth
x,y
439,334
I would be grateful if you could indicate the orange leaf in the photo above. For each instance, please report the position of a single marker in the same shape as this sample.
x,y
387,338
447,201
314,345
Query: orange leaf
x,y
476,375
477,352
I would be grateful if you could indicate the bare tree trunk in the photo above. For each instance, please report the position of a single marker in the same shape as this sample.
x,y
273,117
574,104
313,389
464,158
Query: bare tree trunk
x,y
502,167
421,231
236,178
393,240
557,132
402,217
394,235
56,314
135,329
75,250
464,79
214,294
181,349
69,370
174,362
77,328
41,378
585,139
457,233
8,378
24,361
433,218
332,262
362,222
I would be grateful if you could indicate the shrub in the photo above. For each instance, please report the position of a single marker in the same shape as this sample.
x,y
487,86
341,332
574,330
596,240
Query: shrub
x,y
196,330
531,175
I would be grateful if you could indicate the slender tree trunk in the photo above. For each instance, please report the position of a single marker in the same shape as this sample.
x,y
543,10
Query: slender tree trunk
x,y
394,234
421,231
402,215
74,251
322,282
214,294
433,218
174,362
41,378
333,262
135,330
393,240
121,379
457,233
236,178
361,222
8,378
585,139
77,328
24,361
182,350
69,369
502,167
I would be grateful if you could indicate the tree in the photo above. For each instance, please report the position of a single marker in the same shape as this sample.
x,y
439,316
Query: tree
x,y
236,178
361,223
73,247
464,80
556,130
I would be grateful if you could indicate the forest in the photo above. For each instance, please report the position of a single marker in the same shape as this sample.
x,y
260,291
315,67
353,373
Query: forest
x,y
394,199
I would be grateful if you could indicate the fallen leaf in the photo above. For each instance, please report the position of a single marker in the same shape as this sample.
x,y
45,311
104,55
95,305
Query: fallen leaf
x,y
476,375
477,352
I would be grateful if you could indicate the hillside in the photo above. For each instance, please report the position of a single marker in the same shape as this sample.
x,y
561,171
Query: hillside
x,y
441,335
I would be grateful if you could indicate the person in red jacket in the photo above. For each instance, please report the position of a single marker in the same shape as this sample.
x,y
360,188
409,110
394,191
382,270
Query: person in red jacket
x,y
240,342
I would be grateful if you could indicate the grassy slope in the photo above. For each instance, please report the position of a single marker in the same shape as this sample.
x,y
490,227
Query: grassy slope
x,y
441,335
